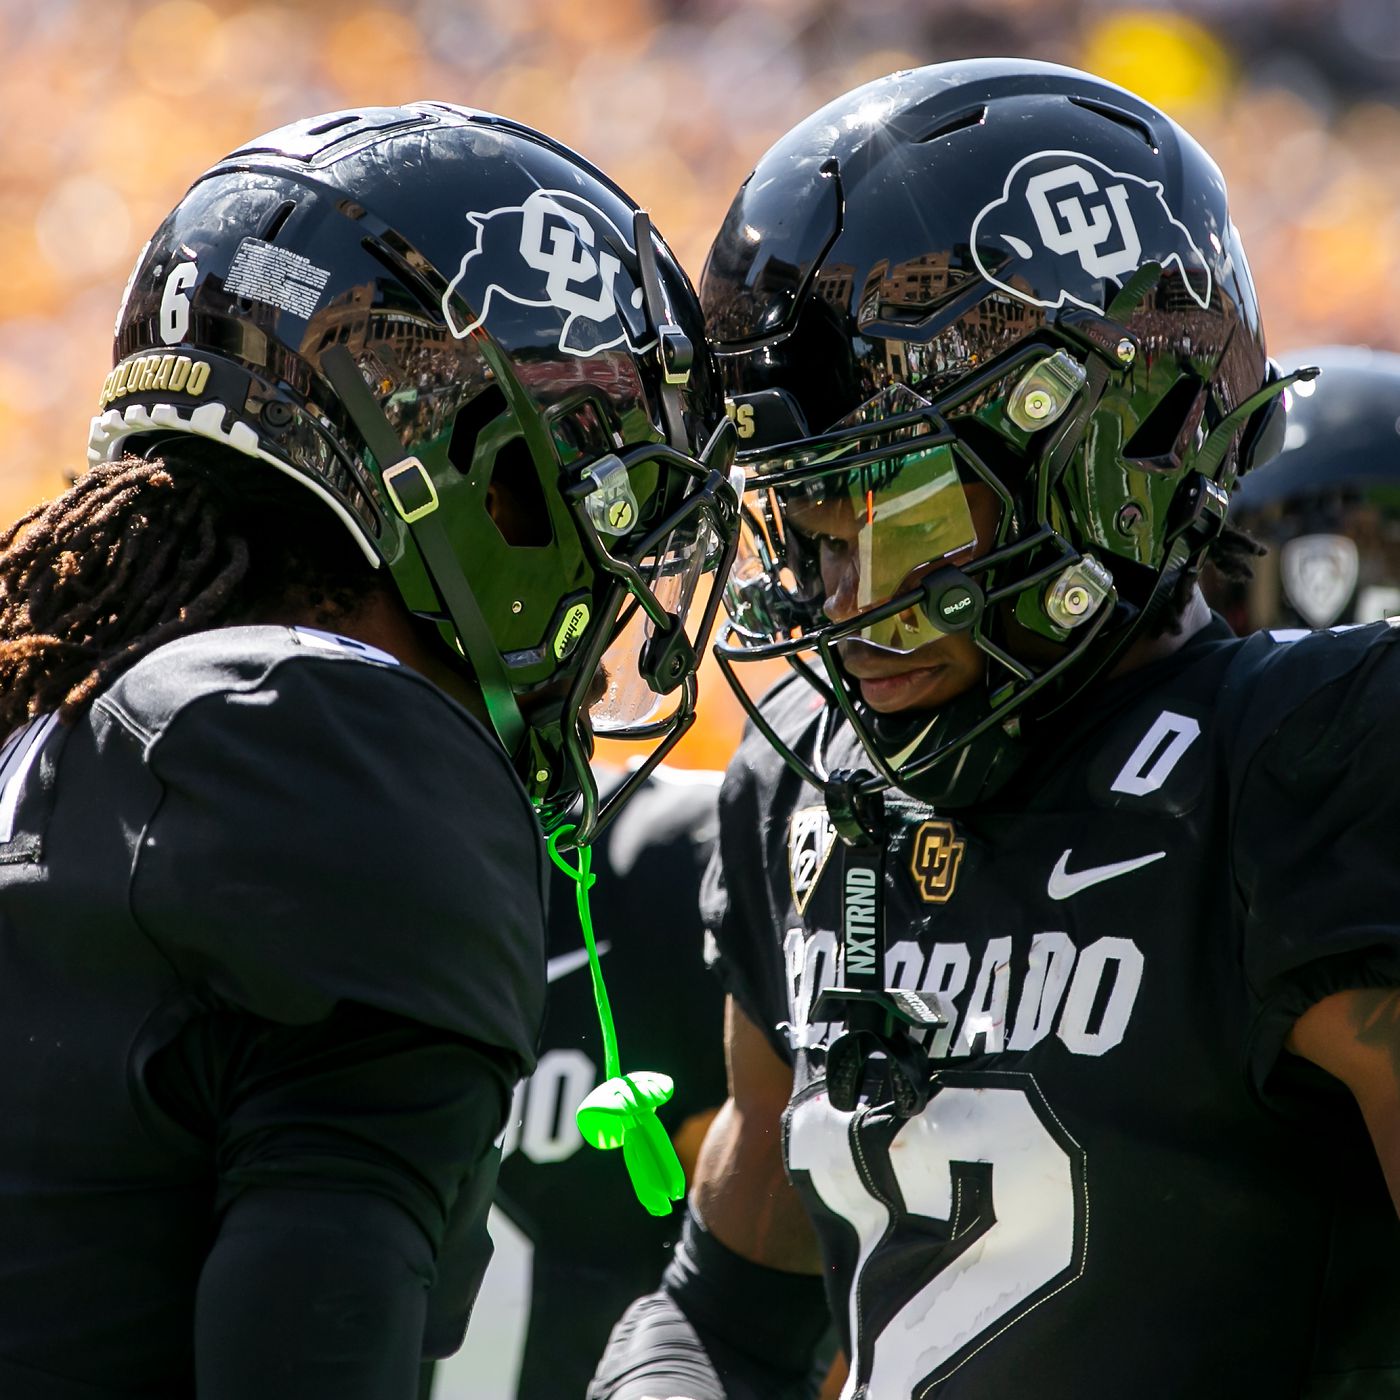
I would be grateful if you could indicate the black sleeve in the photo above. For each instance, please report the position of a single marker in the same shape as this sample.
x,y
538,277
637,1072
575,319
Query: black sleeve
x,y
1315,846
355,1161
362,1101
743,935
343,832
347,879
311,1295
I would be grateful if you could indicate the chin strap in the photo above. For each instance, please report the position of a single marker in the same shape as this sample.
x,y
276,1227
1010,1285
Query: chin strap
x,y
410,487
621,1111
1213,450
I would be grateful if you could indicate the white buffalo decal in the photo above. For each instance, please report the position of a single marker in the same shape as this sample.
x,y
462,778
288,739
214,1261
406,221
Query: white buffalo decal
x,y
555,250
1073,225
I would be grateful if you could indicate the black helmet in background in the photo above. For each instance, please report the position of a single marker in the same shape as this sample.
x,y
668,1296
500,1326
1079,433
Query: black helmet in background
x,y
1328,507
420,312
1000,276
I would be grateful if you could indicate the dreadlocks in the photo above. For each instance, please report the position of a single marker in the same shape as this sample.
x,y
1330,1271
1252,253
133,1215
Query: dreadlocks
x,y
140,551
1232,553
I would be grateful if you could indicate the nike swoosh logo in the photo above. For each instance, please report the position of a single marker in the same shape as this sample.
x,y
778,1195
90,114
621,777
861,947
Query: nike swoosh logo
x,y
1063,883
897,760
566,963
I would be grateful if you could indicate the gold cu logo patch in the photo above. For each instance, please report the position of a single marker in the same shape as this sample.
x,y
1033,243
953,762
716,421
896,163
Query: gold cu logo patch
x,y
937,854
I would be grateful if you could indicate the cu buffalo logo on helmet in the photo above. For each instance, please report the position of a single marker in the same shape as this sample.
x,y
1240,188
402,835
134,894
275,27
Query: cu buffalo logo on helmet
x,y
554,251
1067,228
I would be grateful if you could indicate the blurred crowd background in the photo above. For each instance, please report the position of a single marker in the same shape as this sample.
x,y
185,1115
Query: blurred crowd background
x,y
113,105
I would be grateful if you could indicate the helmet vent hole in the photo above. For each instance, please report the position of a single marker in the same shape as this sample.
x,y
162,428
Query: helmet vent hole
x,y
515,498
959,121
1165,437
1118,115
471,421
334,124
273,226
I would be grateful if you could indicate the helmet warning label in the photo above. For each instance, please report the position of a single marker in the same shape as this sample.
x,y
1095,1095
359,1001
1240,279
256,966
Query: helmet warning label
x,y
276,277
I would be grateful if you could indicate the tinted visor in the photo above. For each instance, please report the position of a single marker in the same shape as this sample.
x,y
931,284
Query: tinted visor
x,y
869,516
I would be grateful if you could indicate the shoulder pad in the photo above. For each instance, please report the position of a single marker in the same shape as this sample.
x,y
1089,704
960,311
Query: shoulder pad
x,y
222,660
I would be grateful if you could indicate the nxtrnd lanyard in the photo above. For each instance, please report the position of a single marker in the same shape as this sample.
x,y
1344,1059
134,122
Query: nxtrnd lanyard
x,y
877,1018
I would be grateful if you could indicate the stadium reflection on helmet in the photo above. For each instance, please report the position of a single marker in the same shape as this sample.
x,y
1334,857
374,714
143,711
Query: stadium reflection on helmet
x,y
474,349
1328,507
994,278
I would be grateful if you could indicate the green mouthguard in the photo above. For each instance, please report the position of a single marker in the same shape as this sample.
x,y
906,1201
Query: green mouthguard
x,y
621,1111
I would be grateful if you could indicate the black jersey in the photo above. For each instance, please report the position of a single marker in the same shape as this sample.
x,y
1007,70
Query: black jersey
x,y
573,1246
264,910
1122,1184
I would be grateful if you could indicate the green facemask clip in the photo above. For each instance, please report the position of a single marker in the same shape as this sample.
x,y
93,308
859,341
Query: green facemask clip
x,y
621,1111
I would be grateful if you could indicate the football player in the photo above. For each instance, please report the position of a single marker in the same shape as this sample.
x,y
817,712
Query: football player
x,y
571,1248
1061,928
1327,508
410,477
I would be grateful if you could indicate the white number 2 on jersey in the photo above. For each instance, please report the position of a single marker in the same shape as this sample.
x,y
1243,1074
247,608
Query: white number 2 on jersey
x,y
1032,1250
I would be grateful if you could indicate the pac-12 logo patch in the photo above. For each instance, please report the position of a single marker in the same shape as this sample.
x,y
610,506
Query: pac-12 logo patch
x,y
937,853
810,839
554,250
1072,225
1319,576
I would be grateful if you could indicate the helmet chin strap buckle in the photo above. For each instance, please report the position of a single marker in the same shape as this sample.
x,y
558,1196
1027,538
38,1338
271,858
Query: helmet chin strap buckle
x,y
677,354
1078,593
611,503
667,658
1205,505
857,814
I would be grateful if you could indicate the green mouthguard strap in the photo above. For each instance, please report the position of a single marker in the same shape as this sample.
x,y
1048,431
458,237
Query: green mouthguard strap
x,y
621,1111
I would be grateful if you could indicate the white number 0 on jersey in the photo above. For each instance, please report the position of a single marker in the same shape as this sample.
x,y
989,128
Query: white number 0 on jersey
x,y
988,1126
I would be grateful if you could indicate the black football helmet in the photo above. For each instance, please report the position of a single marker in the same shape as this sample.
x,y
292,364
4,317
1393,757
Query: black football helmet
x,y
1328,506
1001,275
410,310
